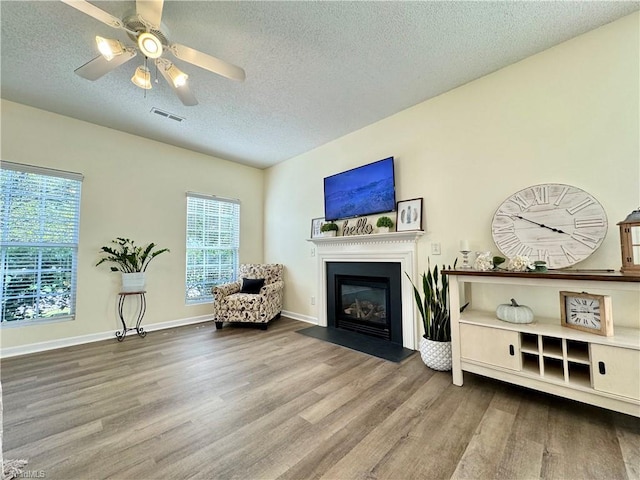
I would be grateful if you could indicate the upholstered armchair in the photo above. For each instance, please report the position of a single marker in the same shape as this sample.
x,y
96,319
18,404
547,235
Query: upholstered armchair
x,y
249,299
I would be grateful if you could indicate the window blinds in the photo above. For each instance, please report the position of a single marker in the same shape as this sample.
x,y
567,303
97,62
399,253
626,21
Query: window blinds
x,y
39,224
213,242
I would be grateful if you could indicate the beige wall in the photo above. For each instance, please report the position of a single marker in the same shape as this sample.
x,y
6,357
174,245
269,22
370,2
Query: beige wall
x,y
133,188
567,115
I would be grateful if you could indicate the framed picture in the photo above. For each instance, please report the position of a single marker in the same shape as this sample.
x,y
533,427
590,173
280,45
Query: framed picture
x,y
409,215
316,223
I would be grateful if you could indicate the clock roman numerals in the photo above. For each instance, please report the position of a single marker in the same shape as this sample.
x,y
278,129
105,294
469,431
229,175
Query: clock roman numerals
x,y
593,221
579,206
512,245
584,311
498,229
587,322
561,196
541,194
585,239
522,202
569,254
508,243
524,250
501,213
543,255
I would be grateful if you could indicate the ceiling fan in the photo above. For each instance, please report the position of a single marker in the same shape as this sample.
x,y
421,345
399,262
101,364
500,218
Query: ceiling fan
x,y
144,28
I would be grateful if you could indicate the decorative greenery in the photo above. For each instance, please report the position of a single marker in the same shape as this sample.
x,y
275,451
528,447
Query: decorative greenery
x,y
128,257
434,308
327,227
384,222
497,261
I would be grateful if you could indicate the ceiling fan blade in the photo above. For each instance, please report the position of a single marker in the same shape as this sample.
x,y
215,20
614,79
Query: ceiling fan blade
x,y
207,62
183,92
100,66
186,97
95,12
150,10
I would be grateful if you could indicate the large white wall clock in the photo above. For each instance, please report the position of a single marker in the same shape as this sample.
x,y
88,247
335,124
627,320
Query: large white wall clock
x,y
557,223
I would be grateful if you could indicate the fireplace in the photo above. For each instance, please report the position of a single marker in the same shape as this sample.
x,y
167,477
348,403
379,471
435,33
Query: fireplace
x,y
362,306
393,248
365,297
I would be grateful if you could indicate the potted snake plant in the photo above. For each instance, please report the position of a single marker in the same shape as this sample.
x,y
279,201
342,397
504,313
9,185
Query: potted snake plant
x,y
435,344
131,260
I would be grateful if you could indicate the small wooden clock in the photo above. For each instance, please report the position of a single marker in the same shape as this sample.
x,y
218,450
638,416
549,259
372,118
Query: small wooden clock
x,y
586,312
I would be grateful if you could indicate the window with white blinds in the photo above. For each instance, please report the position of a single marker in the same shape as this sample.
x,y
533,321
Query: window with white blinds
x,y
213,241
40,215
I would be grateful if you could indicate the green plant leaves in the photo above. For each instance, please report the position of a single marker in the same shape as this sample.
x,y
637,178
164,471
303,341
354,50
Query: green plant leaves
x,y
328,227
434,307
128,257
384,222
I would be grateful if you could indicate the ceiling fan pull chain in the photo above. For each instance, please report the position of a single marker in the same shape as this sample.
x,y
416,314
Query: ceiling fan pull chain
x,y
146,68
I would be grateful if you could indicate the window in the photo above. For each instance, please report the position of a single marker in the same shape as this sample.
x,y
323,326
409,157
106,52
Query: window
x,y
40,211
213,241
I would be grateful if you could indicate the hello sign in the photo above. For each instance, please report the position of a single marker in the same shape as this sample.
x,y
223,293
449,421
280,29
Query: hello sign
x,y
360,228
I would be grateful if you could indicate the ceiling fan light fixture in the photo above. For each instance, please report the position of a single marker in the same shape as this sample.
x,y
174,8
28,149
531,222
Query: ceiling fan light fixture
x,y
177,76
149,45
109,48
142,77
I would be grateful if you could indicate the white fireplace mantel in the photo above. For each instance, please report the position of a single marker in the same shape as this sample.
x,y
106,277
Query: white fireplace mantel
x,y
400,247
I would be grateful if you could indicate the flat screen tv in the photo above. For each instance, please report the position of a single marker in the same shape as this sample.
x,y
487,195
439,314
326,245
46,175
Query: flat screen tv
x,y
360,191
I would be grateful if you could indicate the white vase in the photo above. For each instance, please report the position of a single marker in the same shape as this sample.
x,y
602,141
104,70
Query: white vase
x,y
383,229
330,233
133,282
436,355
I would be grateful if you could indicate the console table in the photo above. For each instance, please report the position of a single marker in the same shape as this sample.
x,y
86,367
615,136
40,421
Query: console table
x,y
543,355
143,307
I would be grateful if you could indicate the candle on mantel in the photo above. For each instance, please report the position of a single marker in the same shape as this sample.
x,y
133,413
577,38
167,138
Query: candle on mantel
x,y
464,246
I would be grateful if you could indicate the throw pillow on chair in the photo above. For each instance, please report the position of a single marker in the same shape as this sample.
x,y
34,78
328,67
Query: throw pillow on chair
x,y
252,285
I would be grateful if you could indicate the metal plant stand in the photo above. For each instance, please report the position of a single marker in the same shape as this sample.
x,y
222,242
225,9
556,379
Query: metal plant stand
x,y
143,307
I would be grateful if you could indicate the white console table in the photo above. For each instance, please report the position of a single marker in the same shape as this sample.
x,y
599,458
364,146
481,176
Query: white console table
x,y
543,355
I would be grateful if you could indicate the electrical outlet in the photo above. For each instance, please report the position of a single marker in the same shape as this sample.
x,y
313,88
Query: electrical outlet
x,y
435,249
313,300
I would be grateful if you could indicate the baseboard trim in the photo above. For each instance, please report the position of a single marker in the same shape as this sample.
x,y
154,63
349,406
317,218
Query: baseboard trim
x,y
94,337
299,316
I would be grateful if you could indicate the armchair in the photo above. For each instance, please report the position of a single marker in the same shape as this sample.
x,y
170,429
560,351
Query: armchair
x,y
232,303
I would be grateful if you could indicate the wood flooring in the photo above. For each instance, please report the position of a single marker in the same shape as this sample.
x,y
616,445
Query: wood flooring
x,y
241,403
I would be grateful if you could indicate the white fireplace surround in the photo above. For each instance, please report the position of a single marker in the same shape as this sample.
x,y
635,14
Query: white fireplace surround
x,y
398,247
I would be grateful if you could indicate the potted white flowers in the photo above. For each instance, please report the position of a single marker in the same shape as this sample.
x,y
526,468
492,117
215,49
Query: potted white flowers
x,y
520,263
131,260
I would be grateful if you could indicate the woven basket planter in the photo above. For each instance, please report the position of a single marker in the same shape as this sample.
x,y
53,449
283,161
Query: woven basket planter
x,y
436,355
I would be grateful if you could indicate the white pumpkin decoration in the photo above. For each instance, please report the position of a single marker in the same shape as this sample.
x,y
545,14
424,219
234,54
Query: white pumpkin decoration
x,y
514,313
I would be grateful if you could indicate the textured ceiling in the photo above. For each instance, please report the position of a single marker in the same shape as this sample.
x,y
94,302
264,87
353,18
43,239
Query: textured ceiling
x,y
315,70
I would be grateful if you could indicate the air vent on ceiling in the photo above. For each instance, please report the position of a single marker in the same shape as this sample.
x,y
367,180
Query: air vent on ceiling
x,y
164,114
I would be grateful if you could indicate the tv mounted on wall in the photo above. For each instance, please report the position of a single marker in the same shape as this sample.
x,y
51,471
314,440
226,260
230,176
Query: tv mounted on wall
x,y
360,191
